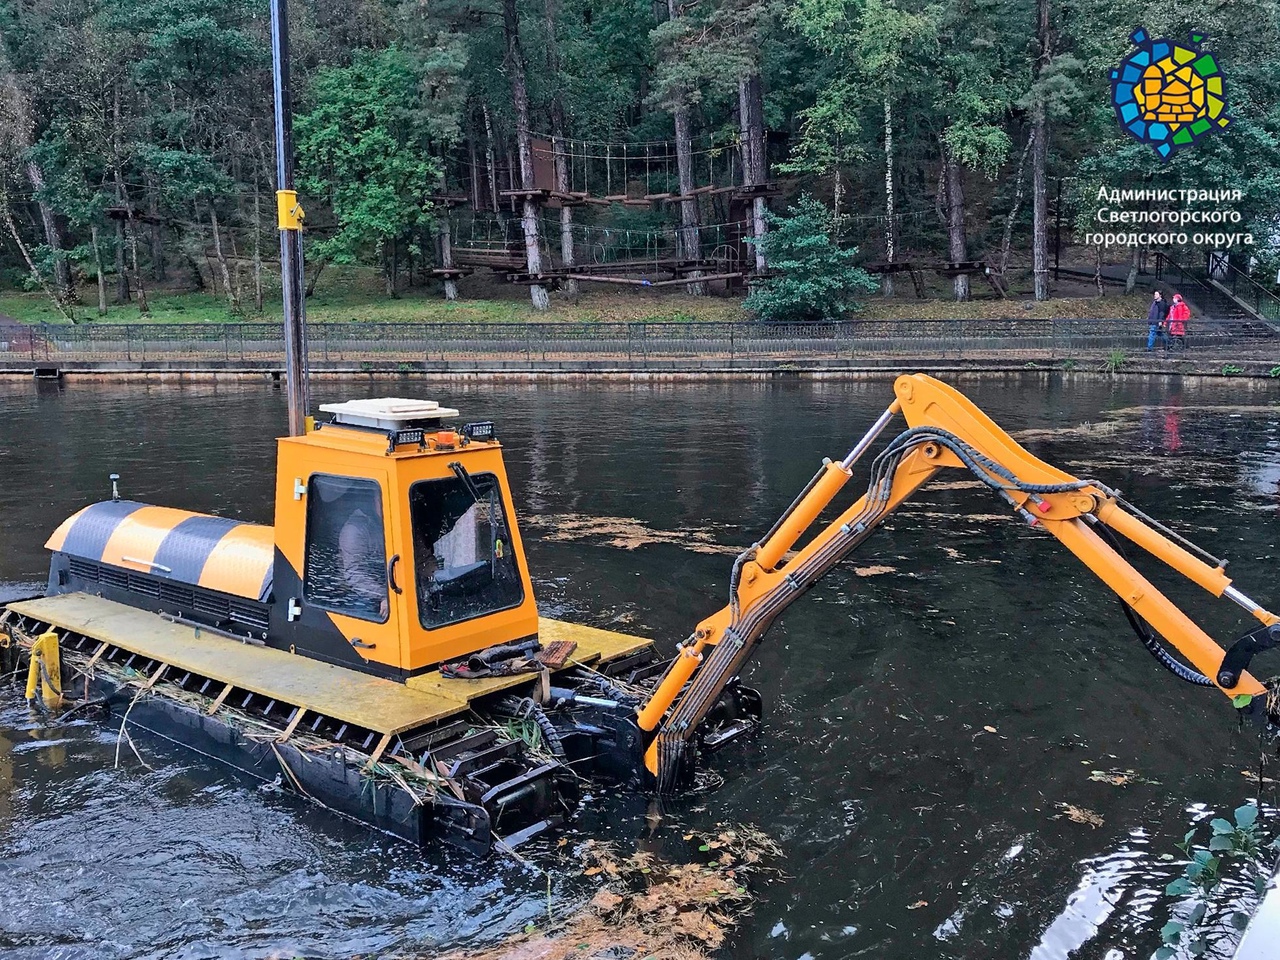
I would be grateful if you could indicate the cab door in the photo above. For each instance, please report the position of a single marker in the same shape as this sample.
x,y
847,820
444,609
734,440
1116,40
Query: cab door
x,y
352,601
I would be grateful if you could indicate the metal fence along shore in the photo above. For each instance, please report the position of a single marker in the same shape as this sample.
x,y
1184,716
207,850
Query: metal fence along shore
x,y
636,342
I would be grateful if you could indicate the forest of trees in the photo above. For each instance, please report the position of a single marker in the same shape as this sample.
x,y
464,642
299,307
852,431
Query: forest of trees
x,y
136,136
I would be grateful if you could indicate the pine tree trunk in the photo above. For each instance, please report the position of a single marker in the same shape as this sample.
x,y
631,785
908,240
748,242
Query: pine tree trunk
x,y
690,242
122,275
232,300
754,161
52,236
157,232
1131,278
257,245
1040,207
97,262
475,165
1006,242
388,266
529,208
197,275
957,243
690,217
1039,158
314,276
890,224
144,307
559,160
446,258
490,158
237,269
567,256
131,233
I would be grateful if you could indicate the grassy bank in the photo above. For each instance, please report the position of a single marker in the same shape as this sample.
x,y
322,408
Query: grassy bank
x,y
347,294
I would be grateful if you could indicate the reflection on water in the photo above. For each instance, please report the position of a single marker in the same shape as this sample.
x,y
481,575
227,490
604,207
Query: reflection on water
x,y
910,830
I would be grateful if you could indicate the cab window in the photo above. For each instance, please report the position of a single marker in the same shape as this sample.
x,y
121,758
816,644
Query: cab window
x,y
463,561
346,565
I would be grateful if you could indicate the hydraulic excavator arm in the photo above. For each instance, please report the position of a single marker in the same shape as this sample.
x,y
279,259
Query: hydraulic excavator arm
x,y
945,430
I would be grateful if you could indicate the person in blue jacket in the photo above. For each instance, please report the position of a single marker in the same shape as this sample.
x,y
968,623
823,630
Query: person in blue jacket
x,y
1156,322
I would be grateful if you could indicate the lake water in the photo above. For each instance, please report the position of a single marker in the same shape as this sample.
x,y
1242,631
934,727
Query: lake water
x,y
908,829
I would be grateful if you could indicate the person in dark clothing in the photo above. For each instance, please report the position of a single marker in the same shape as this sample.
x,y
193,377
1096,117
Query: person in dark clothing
x,y
1156,316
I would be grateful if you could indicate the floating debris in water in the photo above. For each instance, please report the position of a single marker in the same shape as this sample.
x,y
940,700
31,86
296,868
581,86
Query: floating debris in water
x,y
628,533
1079,815
649,907
1120,778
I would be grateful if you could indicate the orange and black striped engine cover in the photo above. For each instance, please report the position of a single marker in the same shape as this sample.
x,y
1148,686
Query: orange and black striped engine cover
x,y
192,565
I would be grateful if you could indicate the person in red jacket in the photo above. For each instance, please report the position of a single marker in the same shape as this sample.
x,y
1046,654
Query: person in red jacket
x,y
1179,314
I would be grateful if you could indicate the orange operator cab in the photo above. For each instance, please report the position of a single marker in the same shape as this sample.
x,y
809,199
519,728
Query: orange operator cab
x,y
395,547
396,540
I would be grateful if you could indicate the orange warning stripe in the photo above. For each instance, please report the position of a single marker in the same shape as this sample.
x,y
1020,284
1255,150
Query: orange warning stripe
x,y
59,536
135,541
240,562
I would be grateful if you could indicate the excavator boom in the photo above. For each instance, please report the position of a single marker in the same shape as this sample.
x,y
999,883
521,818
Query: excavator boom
x,y
945,430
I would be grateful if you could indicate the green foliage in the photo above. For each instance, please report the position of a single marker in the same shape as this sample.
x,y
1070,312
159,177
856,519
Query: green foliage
x,y
1231,369
166,105
1115,360
1210,910
367,147
814,279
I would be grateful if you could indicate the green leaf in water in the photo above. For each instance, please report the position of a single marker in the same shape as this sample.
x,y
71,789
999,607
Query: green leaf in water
x,y
1246,815
1221,844
1239,919
1241,700
1179,887
1165,953
1221,826
1171,931
705,847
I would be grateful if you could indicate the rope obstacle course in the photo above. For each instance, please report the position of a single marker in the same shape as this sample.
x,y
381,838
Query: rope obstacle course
x,y
603,175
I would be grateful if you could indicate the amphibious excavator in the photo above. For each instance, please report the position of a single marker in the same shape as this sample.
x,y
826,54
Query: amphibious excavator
x,y
380,651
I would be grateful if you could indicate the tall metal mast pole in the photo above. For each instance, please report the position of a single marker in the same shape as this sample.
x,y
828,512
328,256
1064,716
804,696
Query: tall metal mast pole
x,y
289,216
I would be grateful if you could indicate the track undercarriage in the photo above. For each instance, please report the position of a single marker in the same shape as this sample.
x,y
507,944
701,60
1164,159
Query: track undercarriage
x,y
503,773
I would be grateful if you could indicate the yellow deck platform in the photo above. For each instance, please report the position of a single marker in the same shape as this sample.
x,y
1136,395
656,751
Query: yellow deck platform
x,y
381,705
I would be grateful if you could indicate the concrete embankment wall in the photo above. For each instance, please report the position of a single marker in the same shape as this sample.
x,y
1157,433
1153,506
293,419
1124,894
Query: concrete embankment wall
x,y
194,370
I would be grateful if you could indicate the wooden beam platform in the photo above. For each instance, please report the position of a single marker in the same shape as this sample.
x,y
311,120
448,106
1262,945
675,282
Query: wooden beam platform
x,y
383,706
537,195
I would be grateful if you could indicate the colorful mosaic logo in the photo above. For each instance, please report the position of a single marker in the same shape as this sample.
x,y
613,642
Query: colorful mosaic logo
x,y
1169,94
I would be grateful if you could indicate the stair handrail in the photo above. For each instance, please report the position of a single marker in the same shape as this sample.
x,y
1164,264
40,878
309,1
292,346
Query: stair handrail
x,y
1185,275
1265,304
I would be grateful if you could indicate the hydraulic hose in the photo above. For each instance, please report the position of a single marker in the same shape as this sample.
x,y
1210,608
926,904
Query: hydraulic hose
x,y
1142,630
